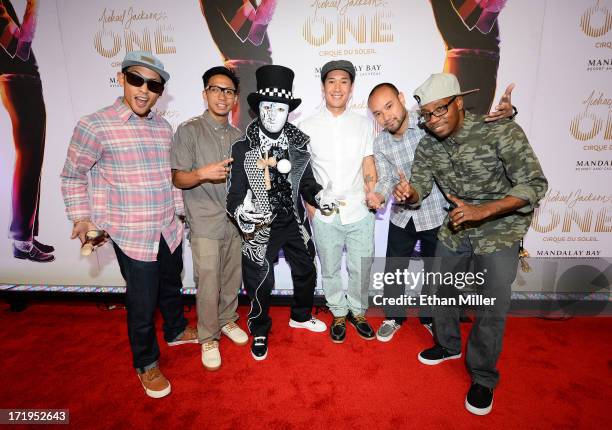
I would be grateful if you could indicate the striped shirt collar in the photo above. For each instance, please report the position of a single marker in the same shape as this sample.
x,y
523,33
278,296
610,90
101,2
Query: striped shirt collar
x,y
413,119
413,123
125,113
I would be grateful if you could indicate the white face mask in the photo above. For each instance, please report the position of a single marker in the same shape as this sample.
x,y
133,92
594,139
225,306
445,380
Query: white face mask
x,y
273,115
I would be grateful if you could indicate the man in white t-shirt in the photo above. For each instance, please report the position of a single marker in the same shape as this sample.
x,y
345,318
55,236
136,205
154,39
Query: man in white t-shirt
x,y
342,162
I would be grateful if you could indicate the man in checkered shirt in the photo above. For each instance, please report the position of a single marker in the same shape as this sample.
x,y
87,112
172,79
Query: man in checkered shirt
x,y
117,178
394,150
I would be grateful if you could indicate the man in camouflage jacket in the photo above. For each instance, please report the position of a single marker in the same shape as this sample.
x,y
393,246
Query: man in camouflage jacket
x,y
493,180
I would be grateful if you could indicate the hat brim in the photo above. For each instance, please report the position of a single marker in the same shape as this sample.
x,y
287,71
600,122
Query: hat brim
x,y
475,90
162,73
424,102
255,98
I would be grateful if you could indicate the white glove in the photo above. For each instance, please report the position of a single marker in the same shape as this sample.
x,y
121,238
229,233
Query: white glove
x,y
326,200
248,216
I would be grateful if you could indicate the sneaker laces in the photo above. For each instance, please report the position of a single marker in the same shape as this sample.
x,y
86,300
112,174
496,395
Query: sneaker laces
x,y
313,320
392,323
231,326
259,340
339,320
210,345
360,318
151,374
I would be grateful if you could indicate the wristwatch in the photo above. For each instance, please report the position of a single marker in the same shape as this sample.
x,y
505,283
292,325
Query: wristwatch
x,y
514,112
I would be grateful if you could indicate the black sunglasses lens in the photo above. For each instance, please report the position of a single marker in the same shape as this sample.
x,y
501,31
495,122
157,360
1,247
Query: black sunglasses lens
x,y
137,81
134,80
155,86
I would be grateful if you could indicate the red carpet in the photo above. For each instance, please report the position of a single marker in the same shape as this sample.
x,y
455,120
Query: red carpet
x,y
75,356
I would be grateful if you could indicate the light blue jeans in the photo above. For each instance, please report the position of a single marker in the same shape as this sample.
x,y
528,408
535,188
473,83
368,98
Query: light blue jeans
x,y
358,240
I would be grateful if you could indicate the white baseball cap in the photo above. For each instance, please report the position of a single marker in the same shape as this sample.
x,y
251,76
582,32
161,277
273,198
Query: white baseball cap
x,y
439,86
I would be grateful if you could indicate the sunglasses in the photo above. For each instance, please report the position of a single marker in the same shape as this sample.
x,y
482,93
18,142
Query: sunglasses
x,y
136,81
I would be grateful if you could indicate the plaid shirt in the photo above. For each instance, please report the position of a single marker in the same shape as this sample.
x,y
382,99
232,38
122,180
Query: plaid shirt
x,y
130,192
394,155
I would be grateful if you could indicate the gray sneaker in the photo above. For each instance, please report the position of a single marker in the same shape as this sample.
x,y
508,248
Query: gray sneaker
x,y
386,330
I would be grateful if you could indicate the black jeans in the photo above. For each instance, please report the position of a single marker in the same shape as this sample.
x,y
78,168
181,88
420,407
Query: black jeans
x,y
259,280
23,99
485,339
147,284
400,246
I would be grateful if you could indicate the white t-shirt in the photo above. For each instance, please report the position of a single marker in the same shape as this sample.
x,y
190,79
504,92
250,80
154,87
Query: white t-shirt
x,y
338,145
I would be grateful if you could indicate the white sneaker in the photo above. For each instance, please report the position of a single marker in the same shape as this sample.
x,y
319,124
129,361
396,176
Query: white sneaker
x,y
211,357
312,324
235,333
386,330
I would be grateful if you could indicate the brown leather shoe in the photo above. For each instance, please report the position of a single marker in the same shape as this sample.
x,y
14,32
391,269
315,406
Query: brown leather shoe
x,y
190,335
155,383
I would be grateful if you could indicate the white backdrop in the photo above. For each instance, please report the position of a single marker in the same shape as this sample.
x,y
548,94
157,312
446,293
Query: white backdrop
x,y
558,52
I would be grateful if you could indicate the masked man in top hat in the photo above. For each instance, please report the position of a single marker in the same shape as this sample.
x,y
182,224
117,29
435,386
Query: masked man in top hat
x,y
270,175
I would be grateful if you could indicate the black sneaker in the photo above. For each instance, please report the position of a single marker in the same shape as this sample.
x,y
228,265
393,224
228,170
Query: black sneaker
x,y
259,348
436,355
47,249
479,399
337,331
363,327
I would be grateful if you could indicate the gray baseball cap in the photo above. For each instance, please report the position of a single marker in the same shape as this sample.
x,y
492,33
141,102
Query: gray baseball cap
x,y
439,86
345,65
145,59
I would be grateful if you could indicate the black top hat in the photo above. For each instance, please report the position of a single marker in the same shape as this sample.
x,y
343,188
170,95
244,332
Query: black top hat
x,y
274,84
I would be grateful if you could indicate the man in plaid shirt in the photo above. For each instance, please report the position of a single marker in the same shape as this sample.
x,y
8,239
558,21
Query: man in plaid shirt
x,y
394,150
125,148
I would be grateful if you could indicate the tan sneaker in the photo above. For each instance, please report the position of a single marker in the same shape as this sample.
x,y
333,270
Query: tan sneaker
x,y
235,333
211,357
190,335
154,383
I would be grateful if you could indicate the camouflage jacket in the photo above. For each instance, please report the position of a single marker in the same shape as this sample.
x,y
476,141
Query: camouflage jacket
x,y
480,163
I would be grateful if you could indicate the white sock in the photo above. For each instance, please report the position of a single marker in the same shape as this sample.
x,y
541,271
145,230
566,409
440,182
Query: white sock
x,y
23,245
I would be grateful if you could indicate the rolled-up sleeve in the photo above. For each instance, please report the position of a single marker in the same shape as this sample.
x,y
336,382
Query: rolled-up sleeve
x,y
522,168
183,150
182,157
384,170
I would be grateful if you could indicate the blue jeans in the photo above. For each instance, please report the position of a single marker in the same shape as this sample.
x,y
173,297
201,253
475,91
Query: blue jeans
x,y
149,283
331,240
